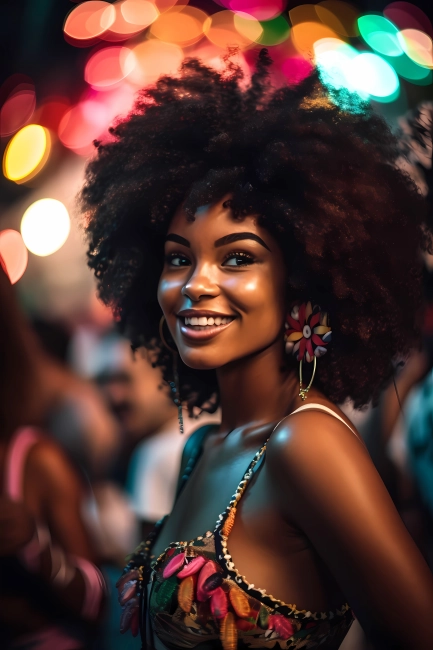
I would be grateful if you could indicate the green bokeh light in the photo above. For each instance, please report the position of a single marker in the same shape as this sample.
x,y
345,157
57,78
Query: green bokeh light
x,y
275,31
408,69
380,34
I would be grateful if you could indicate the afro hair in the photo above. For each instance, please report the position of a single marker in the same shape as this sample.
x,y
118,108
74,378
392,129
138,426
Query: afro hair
x,y
317,167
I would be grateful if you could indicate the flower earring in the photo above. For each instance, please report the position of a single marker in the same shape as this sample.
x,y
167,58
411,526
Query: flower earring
x,y
174,385
307,335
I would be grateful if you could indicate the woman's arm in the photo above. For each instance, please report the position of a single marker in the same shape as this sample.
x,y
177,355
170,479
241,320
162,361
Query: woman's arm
x,y
331,490
54,544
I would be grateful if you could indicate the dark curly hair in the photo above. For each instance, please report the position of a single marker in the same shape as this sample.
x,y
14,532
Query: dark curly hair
x,y
317,166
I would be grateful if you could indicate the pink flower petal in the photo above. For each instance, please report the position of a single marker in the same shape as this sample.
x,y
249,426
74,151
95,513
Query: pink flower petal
x,y
174,565
208,569
192,567
219,603
282,626
309,347
314,319
317,340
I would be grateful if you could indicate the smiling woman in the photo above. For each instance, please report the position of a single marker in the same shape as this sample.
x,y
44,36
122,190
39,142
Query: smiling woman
x,y
248,219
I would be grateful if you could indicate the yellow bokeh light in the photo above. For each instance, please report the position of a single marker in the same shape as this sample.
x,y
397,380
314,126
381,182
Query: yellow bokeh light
x,y
26,153
45,226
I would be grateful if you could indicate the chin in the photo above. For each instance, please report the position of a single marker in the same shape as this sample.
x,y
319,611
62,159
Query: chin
x,y
200,360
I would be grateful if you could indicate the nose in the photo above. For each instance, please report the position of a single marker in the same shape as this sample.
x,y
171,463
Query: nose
x,y
200,285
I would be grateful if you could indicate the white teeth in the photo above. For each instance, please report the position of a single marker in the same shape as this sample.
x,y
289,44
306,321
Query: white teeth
x,y
203,321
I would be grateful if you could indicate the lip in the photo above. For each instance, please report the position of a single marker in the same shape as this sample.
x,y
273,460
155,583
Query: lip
x,y
205,334
188,313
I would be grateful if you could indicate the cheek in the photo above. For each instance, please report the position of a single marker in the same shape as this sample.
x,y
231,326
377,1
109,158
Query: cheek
x,y
257,293
168,293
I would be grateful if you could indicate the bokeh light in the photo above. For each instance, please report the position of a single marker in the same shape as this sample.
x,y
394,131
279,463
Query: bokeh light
x,y
45,226
108,67
334,57
374,76
89,20
130,18
340,16
51,111
408,16
408,69
259,9
26,153
274,32
227,29
305,35
418,46
139,12
14,254
18,105
380,34
296,68
151,59
182,27
81,124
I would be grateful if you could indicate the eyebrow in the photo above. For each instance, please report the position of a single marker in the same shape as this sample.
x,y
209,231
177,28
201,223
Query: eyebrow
x,y
223,241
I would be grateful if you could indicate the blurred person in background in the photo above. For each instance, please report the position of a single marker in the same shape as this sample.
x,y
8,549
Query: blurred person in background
x,y
141,486
51,592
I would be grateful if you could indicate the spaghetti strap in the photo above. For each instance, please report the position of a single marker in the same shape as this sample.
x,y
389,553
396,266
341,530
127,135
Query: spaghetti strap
x,y
321,407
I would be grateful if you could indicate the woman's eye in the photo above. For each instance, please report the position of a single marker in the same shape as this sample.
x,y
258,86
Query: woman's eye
x,y
176,259
238,259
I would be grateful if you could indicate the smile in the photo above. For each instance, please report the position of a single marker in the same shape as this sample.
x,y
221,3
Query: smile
x,y
200,328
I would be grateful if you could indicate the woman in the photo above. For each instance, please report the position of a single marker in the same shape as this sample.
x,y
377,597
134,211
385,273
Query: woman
x,y
51,592
234,211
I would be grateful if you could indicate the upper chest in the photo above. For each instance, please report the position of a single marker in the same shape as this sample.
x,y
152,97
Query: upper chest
x,y
211,486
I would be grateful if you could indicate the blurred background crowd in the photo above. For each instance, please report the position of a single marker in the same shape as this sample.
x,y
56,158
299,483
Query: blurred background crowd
x,y
68,69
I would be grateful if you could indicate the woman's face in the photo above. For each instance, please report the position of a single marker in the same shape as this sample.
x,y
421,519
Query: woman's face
x,y
222,289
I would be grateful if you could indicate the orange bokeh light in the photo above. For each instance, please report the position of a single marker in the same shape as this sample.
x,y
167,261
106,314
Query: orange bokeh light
x,y
108,67
153,58
130,18
180,26
304,35
339,16
13,254
227,29
139,12
89,20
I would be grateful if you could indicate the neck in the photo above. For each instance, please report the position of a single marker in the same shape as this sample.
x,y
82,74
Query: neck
x,y
256,389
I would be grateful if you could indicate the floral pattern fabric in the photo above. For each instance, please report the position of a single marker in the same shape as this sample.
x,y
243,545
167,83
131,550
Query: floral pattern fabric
x,y
197,599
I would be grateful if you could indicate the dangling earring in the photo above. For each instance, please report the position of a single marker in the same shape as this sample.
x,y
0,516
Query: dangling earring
x,y
307,333
174,385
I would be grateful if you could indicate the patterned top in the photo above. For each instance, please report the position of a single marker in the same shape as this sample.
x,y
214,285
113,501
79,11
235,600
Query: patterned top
x,y
192,596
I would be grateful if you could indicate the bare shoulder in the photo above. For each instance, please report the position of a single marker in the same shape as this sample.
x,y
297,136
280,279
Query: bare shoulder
x,y
314,445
